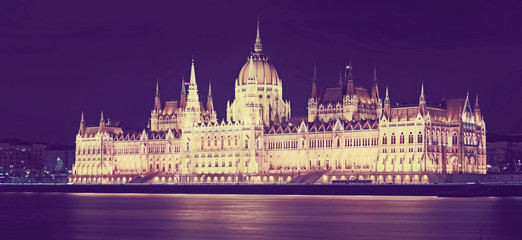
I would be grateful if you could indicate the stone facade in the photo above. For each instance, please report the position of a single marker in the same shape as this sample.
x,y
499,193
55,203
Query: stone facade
x,y
349,133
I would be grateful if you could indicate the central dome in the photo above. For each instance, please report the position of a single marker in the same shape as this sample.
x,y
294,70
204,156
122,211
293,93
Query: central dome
x,y
263,71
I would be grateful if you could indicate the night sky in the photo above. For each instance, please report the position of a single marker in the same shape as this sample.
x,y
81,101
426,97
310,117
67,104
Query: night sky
x,y
60,58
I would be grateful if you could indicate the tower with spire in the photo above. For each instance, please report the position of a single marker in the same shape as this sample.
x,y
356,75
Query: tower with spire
x,y
376,99
422,101
350,88
478,114
210,113
101,127
157,100
81,131
183,94
350,99
314,98
387,105
156,110
375,87
193,108
314,84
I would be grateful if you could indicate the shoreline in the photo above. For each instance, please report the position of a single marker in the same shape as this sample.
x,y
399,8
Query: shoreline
x,y
439,190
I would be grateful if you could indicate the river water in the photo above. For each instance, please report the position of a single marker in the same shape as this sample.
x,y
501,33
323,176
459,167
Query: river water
x,y
153,216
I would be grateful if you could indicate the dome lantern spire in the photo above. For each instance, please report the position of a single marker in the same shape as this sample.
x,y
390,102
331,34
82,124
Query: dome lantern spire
x,y
258,46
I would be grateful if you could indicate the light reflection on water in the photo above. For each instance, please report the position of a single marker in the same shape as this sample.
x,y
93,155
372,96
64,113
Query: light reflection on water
x,y
158,216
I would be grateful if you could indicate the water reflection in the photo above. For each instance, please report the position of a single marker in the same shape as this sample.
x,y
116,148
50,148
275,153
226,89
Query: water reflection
x,y
147,216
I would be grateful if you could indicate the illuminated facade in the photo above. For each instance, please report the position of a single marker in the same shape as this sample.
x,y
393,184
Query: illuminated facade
x,y
349,133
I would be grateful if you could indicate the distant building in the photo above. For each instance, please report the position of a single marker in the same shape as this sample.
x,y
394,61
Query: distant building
x,y
350,132
59,159
504,153
21,159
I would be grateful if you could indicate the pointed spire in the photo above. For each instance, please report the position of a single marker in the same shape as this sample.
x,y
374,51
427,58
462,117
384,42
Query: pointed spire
x,y
314,80
340,83
350,75
350,88
183,95
82,125
314,83
387,98
387,105
478,114
422,102
258,46
102,122
193,103
375,87
157,87
210,102
467,101
422,99
157,101
374,73
192,73
183,88
210,88
101,117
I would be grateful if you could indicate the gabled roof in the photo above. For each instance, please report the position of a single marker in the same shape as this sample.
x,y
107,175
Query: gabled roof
x,y
366,124
454,107
321,127
329,127
170,108
404,113
92,131
357,125
333,95
375,125
362,95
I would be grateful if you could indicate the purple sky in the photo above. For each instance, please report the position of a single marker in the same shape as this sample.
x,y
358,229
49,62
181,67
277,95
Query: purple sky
x,y
60,58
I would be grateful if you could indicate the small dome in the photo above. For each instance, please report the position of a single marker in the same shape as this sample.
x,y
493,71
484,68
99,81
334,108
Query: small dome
x,y
262,70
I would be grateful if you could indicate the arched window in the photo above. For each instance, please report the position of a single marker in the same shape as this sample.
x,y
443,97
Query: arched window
x,y
246,143
419,138
454,139
338,142
393,138
410,138
402,138
384,139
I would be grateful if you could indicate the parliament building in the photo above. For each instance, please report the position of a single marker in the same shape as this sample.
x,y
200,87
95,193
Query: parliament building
x,y
350,133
